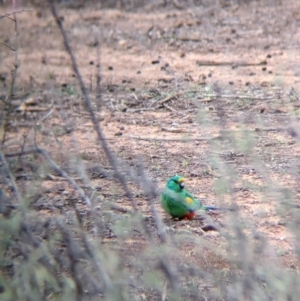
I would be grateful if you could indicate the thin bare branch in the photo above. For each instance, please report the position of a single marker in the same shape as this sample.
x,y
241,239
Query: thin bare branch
x,y
22,153
8,99
88,106
12,178
9,47
82,194
15,12
173,139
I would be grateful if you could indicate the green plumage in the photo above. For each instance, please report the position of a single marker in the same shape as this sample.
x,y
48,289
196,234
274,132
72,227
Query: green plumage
x,y
177,201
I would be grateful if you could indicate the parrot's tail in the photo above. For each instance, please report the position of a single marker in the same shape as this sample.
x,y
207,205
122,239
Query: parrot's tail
x,y
213,208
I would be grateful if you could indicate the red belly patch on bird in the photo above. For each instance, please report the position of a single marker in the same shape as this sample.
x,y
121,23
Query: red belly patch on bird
x,y
190,215
189,200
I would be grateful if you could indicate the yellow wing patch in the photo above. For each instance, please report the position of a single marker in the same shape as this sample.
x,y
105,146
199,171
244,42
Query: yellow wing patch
x,y
189,200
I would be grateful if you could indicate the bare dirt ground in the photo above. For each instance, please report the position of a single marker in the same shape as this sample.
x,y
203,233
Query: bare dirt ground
x,y
205,92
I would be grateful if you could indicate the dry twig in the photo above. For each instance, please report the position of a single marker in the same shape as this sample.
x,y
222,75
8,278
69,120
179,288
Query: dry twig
x,y
88,106
174,139
14,13
64,174
8,99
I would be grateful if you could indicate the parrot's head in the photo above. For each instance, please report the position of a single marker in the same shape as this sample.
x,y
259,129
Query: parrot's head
x,y
176,183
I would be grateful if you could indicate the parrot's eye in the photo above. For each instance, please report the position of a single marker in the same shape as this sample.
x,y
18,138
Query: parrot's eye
x,y
181,185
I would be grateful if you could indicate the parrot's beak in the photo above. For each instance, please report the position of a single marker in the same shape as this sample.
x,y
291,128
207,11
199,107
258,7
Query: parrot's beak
x,y
181,182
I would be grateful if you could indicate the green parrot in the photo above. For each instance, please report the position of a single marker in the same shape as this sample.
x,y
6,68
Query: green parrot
x,y
178,202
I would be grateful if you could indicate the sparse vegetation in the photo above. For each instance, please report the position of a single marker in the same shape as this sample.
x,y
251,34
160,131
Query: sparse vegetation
x,y
99,107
